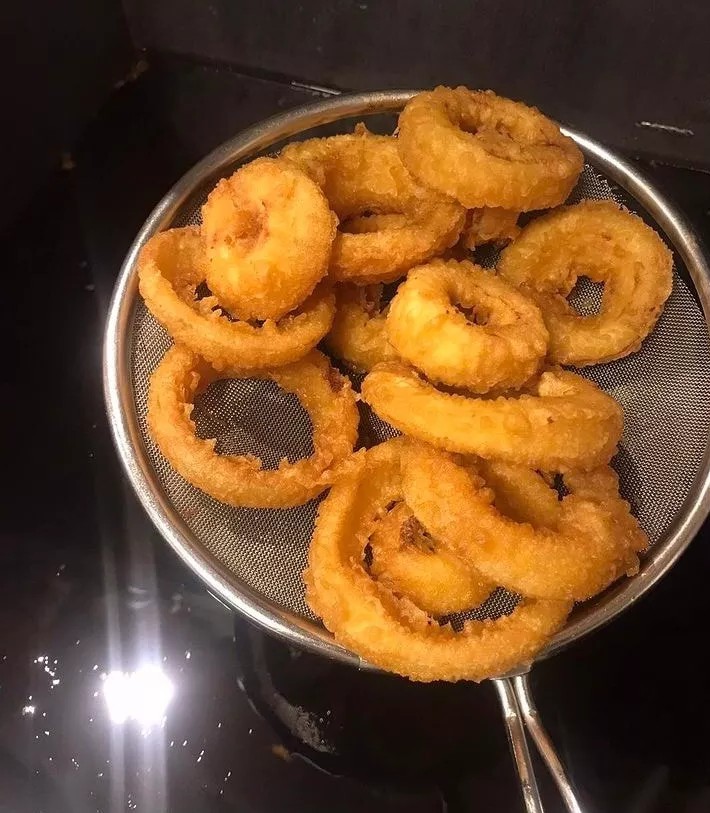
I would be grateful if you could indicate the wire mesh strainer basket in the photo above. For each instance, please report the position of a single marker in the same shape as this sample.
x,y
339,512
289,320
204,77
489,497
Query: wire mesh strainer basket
x,y
253,559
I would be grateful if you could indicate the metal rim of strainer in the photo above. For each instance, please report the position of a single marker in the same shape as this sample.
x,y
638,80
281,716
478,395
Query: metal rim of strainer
x,y
123,419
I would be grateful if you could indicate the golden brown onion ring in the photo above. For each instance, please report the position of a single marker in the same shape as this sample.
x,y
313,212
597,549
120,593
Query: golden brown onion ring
x,y
407,561
485,150
268,233
501,346
239,480
562,422
390,632
489,225
362,174
172,265
598,240
359,336
586,544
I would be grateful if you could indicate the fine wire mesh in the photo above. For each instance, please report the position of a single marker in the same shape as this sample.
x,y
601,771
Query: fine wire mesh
x,y
664,390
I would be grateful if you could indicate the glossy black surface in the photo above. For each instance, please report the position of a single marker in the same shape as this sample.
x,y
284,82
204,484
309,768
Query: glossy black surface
x,y
633,72
87,45
87,587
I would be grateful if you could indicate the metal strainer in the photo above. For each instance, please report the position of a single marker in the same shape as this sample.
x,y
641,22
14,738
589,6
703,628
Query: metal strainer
x,y
253,559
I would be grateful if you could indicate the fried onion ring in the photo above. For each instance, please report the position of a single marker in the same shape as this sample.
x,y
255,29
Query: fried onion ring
x,y
172,265
240,480
586,544
359,336
562,422
391,632
600,241
485,150
502,346
489,225
407,561
362,174
268,233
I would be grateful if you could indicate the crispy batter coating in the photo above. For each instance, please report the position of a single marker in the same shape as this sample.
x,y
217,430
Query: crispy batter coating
x,y
361,174
239,479
466,327
586,541
562,422
391,632
410,563
485,150
489,225
359,335
369,224
598,240
172,265
268,233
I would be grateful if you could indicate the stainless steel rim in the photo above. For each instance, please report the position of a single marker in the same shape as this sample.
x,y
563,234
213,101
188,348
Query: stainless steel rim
x,y
124,424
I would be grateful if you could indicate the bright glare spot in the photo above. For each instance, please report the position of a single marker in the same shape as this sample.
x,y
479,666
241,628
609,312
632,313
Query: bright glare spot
x,y
28,710
143,695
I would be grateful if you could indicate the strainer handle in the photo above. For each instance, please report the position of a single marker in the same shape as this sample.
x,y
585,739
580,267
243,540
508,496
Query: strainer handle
x,y
533,723
519,744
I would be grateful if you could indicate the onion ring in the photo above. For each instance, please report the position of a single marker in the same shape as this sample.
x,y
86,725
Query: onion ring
x,y
485,150
586,544
407,561
489,225
362,173
563,422
598,240
239,480
503,350
359,335
268,232
391,632
172,265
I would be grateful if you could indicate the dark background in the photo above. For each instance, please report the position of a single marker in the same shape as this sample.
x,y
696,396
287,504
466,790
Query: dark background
x,y
104,108
632,73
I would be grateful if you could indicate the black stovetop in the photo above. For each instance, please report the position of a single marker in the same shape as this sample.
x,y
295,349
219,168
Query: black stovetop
x,y
87,587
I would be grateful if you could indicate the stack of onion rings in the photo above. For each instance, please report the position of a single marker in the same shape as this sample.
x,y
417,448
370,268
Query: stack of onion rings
x,y
598,240
578,550
392,632
418,532
362,174
171,267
